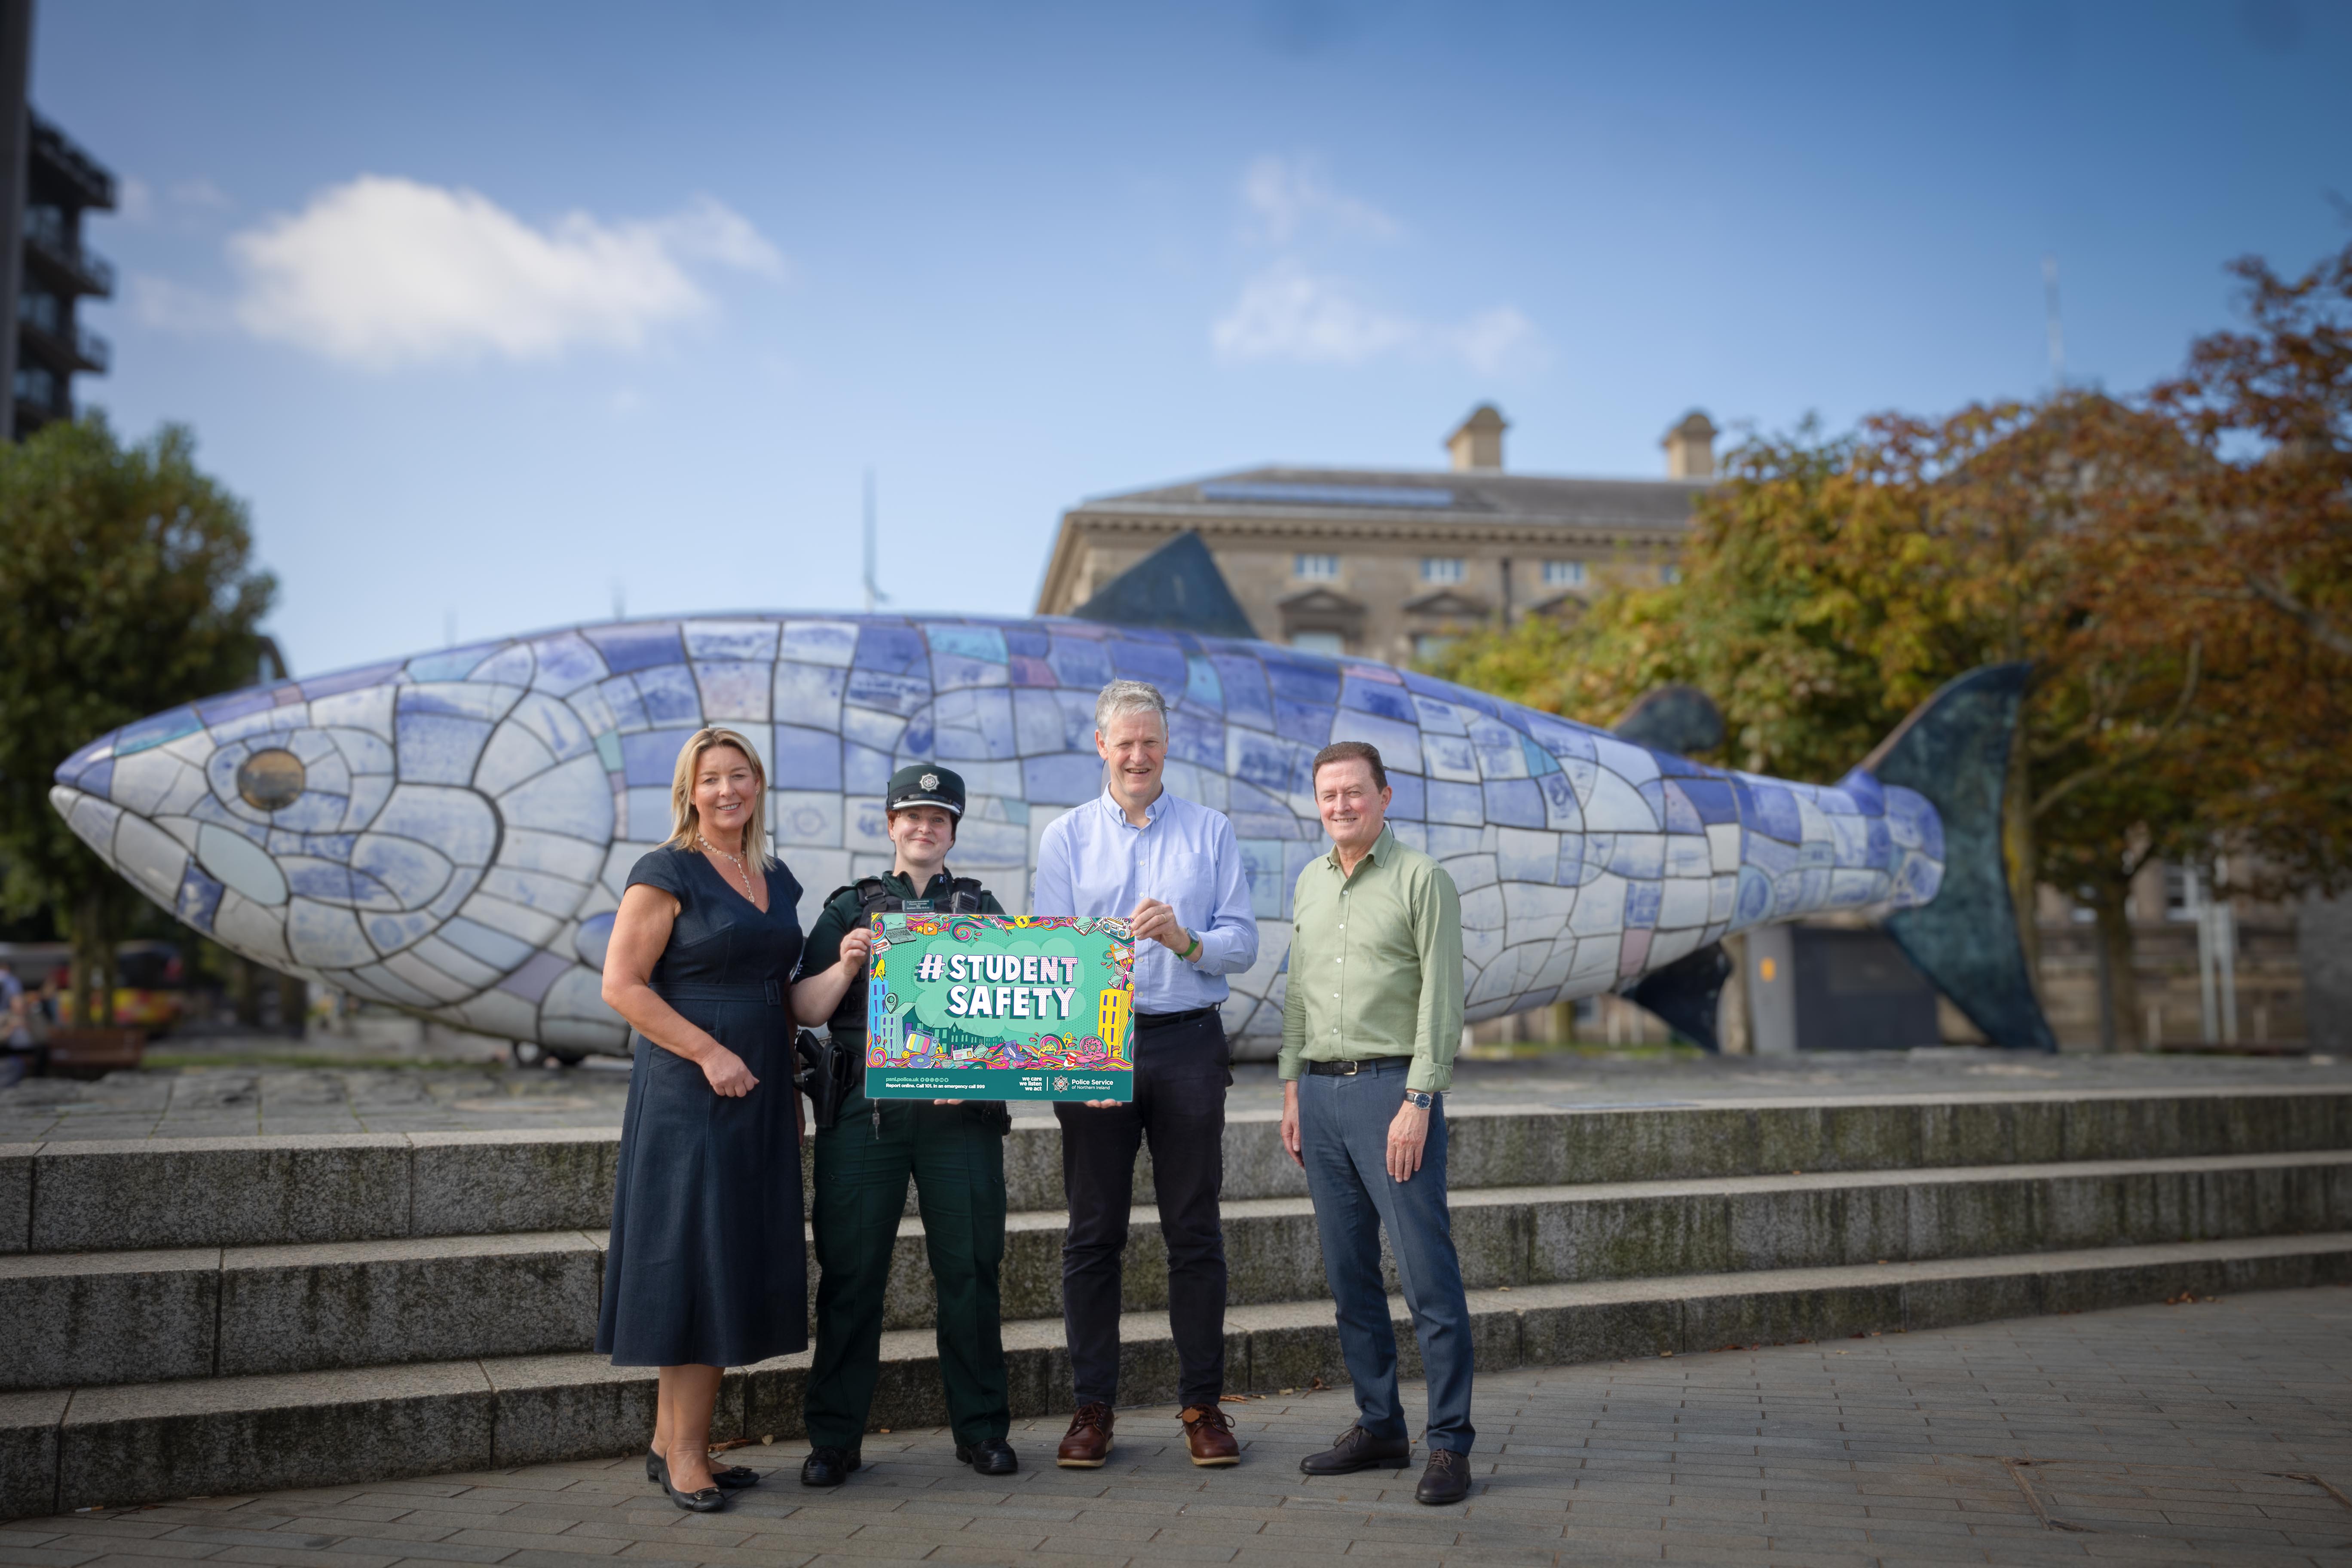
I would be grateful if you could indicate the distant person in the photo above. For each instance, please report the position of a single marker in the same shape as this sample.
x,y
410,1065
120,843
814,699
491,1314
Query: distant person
x,y
953,1149
705,1268
1370,1025
1172,868
15,1024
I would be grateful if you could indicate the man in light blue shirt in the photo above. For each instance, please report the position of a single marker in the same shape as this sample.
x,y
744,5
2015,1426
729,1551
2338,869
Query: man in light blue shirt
x,y
1172,868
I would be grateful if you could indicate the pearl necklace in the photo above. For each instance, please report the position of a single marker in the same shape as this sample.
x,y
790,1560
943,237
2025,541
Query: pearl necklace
x,y
736,862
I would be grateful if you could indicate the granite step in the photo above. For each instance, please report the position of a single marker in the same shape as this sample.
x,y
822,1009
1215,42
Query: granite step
x,y
140,1317
64,1449
80,1196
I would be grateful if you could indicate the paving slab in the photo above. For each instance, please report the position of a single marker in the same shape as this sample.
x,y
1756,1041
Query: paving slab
x,y
2177,1434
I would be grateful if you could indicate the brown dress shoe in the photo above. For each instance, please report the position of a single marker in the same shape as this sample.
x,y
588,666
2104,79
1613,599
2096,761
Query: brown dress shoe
x,y
1209,1433
1088,1443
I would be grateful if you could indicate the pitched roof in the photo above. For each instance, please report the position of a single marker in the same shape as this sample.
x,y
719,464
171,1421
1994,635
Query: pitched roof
x,y
1397,494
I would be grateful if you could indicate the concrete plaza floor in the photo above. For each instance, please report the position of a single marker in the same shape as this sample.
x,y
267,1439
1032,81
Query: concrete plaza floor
x,y
209,1101
2209,1431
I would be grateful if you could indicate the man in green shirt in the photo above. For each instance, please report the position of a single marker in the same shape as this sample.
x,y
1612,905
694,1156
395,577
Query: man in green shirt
x,y
954,1150
1370,1024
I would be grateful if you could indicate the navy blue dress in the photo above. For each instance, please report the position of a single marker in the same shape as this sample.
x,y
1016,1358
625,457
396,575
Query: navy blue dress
x,y
706,1264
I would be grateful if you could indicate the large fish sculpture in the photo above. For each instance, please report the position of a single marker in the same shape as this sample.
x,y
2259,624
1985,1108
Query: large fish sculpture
x,y
450,834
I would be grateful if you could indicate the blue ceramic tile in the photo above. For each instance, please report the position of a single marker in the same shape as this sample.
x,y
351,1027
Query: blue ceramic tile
x,y
1681,816
650,758
161,730
199,900
1201,687
1409,802
349,680
1248,699
564,662
893,647
1774,813
455,664
1026,642
670,695
439,749
1515,803
805,759
864,770
1458,802
1642,901
1079,662
1711,798
1160,663
1198,737
636,646
887,692
1384,699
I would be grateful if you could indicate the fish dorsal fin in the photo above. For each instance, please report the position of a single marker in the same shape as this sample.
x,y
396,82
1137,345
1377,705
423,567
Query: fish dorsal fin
x,y
1177,588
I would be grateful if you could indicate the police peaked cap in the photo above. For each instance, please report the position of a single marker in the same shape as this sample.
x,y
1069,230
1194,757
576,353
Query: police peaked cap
x,y
925,784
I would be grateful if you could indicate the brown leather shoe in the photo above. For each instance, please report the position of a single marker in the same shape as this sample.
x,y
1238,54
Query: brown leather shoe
x,y
1088,1443
1209,1433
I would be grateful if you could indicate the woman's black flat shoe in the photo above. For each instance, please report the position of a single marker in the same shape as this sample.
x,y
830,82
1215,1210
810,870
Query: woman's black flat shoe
x,y
734,1478
709,1499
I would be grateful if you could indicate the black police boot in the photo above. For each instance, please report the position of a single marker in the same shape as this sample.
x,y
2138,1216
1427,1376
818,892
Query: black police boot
x,y
989,1457
828,1465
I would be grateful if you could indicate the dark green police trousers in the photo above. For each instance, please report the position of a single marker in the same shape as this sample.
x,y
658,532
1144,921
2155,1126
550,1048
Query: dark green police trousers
x,y
956,1155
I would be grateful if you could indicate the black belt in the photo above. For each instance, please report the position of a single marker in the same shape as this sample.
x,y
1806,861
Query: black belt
x,y
1351,1069
1161,1020
770,995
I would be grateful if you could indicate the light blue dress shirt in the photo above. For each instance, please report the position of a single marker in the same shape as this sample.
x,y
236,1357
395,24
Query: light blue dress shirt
x,y
1092,861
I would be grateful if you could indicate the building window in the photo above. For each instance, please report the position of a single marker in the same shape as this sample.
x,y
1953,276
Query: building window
x,y
1441,568
1427,645
1331,644
1315,568
1670,573
1563,574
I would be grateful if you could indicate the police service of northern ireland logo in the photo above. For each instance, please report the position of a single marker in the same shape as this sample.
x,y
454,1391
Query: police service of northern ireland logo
x,y
929,781
1061,1084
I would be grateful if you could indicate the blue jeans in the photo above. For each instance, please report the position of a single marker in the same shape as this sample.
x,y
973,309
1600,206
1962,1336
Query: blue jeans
x,y
1344,1139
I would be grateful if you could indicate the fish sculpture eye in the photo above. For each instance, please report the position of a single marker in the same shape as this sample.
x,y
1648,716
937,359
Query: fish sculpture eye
x,y
271,780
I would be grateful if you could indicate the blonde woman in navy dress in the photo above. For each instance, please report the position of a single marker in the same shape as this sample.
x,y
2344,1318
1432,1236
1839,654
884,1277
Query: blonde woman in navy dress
x,y
706,1269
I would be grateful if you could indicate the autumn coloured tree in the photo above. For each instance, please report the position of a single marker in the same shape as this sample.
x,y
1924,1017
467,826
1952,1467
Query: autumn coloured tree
x,y
2177,567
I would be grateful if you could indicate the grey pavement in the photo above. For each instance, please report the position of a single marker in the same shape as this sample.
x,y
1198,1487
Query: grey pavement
x,y
2207,1432
205,1101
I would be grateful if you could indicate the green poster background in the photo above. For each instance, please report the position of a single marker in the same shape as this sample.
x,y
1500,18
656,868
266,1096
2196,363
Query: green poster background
x,y
998,1008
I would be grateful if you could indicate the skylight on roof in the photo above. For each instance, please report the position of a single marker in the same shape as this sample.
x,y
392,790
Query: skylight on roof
x,y
1330,495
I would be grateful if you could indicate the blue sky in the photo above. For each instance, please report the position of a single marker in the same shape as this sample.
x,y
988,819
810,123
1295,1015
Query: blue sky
x,y
496,314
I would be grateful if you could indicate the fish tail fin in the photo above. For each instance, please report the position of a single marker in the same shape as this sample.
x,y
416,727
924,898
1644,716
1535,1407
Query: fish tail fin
x,y
1954,749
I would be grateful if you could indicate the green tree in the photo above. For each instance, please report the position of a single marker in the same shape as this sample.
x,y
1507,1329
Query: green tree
x,y
127,588
1830,586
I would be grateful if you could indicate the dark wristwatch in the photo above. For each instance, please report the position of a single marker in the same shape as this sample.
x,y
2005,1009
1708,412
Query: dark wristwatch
x,y
1420,1098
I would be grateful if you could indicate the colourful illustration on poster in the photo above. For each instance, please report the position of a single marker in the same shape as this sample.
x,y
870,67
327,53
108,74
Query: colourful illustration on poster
x,y
998,1008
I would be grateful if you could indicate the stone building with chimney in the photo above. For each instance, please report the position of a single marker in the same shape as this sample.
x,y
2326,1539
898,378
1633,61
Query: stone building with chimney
x,y
1387,563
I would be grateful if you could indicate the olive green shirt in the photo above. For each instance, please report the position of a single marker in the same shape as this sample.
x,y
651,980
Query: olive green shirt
x,y
840,913
1375,964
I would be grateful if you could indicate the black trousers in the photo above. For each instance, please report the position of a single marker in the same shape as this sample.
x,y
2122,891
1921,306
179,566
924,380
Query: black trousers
x,y
1180,1073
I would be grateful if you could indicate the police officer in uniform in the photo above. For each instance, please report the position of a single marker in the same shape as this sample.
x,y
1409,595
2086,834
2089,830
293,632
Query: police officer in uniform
x,y
954,1150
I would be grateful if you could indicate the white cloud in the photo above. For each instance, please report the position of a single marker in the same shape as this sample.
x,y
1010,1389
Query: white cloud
x,y
383,271
1288,313
1288,195
135,200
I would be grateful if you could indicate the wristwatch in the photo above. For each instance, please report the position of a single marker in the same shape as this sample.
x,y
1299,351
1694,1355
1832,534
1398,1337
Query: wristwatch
x,y
1420,1098
1191,951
